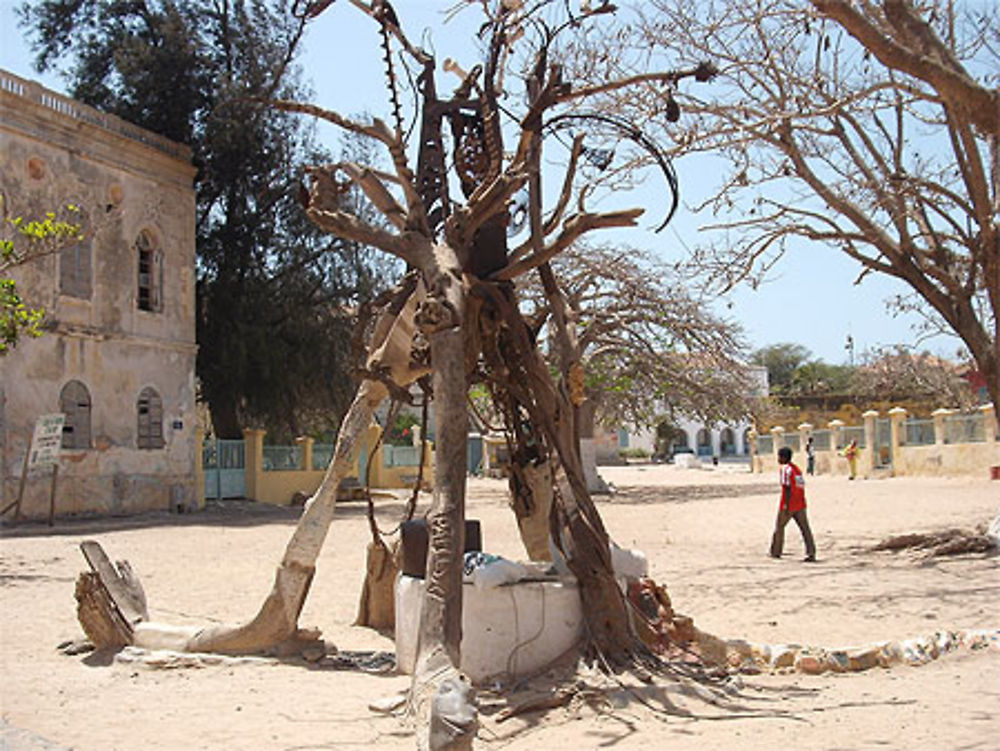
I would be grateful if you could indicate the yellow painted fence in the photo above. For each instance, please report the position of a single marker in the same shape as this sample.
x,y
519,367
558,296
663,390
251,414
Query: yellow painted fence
x,y
276,474
949,444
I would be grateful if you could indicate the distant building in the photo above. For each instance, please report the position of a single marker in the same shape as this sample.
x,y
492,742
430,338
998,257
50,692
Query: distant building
x,y
118,354
726,440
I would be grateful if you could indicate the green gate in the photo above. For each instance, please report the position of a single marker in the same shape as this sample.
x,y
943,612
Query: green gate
x,y
224,463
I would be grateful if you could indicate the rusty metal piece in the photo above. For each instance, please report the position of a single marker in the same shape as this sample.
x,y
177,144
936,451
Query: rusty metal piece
x,y
432,179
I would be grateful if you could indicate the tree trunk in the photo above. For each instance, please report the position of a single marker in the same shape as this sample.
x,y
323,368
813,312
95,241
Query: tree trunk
x,y
588,461
377,607
440,696
441,615
277,620
225,421
579,531
531,492
586,547
990,366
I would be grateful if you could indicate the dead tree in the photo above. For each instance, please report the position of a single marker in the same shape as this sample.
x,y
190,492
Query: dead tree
x,y
456,317
467,312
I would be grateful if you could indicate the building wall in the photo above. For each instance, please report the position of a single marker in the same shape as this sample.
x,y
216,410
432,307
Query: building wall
x,y
645,438
126,181
890,455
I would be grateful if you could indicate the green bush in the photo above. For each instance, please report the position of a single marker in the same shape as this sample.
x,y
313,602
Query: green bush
x,y
400,433
635,453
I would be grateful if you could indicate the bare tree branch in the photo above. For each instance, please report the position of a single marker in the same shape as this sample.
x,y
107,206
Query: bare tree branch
x,y
573,228
922,55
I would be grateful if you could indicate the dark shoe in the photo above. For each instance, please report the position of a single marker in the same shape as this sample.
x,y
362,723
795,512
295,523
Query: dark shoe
x,y
809,559
774,556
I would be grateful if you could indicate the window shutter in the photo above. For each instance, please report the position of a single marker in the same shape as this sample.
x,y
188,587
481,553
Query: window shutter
x,y
157,286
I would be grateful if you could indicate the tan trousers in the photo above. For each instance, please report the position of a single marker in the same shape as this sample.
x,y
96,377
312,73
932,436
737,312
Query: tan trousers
x,y
778,539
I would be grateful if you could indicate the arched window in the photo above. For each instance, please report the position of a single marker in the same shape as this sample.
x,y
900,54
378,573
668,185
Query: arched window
x,y
149,411
74,402
75,278
704,439
727,442
74,270
149,295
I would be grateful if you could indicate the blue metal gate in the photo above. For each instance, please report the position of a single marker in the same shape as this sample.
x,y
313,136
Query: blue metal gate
x,y
224,463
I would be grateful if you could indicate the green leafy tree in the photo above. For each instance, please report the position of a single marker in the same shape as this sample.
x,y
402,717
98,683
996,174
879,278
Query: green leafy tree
x,y
22,241
781,361
276,304
817,377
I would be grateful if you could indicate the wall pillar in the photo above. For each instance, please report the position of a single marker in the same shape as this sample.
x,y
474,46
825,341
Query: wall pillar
x,y
939,415
306,444
835,427
777,435
836,441
751,450
897,422
253,443
805,433
989,423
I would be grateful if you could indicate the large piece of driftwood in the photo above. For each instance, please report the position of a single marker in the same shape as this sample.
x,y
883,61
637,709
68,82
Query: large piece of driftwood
x,y
946,542
110,599
277,620
377,607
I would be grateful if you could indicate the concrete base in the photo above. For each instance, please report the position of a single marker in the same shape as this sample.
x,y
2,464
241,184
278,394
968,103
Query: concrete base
x,y
507,632
687,461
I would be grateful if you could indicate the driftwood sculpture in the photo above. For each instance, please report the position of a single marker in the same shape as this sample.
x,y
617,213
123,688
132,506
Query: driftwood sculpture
x,y
455,317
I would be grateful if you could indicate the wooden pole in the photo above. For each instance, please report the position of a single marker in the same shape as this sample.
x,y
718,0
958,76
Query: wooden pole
x,y
52,495
24,476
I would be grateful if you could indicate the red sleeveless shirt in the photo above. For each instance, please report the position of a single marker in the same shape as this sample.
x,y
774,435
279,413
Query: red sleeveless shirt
x,y
791,477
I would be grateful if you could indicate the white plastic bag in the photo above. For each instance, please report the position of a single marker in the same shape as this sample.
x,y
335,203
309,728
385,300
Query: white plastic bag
x,y
487,571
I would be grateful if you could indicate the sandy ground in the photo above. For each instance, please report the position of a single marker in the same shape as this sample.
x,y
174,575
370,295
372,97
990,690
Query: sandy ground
x,y
705,533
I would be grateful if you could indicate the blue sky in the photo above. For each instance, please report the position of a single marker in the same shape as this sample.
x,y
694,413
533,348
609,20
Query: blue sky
x,y
809,299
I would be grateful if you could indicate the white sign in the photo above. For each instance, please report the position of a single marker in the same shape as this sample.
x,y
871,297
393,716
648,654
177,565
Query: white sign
x,y
47,441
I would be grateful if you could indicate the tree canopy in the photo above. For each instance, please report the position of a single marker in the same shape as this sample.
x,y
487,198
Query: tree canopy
x,y
650,347
869,127
276,305
781,361
22,240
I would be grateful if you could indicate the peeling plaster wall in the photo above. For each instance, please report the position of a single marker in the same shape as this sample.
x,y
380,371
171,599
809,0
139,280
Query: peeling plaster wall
x,y
54,152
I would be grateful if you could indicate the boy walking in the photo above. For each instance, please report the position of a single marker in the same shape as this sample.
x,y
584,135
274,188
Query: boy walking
x,y
792,506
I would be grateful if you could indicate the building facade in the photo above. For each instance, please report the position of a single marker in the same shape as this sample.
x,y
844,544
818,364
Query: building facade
x,y
118,353
720,441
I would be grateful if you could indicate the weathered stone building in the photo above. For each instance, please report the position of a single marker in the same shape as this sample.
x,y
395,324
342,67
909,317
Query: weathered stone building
x,y
118,354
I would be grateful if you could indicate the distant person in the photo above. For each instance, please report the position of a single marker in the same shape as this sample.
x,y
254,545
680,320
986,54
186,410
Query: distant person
x,y
792,506
810,457
851,454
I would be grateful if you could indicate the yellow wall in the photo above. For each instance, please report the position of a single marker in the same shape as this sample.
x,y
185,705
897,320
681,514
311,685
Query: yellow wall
x,y
279,486
936,460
